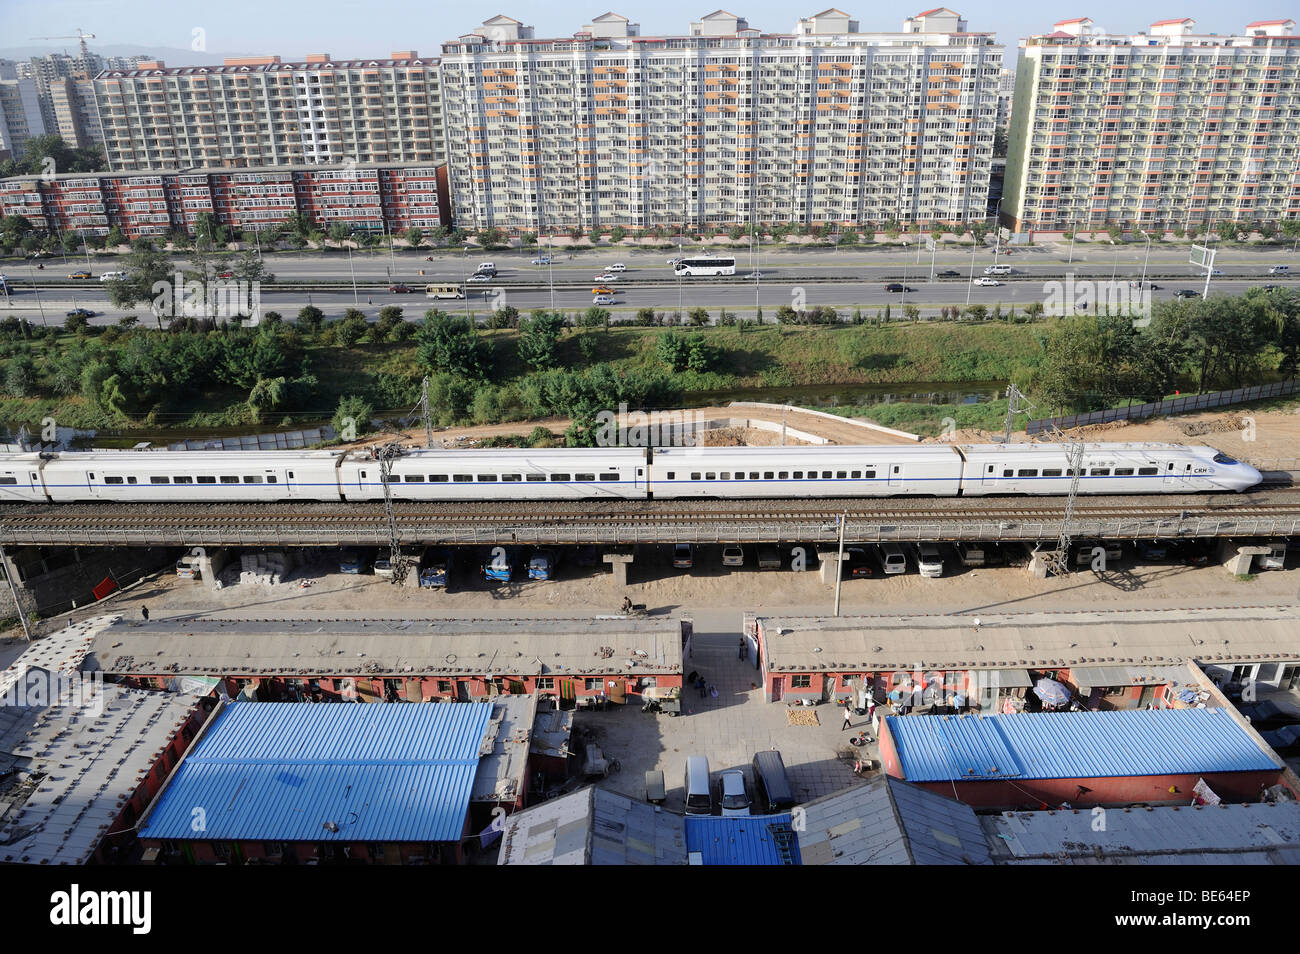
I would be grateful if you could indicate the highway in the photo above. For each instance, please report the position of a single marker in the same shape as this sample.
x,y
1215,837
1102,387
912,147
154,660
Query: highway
x,y
800,278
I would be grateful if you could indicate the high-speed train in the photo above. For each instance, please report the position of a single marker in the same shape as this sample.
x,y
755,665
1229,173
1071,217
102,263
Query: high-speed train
x,y
939,470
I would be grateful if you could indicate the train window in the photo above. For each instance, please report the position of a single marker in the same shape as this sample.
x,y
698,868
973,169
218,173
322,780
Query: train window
x,y
1220,458
812,475
535,477
711,476
1008,473
584,476
130,480
739,475
512,478
487,478
841,474
462,478
1148,471
1099,472
1123,471
107,480
437,478
826,475
414,478
560,478
870,475
726,475
613,476
1027,472
207,480
798,475
8,480
291,475
783,475
159,480
857,474
753,475
230,480
186,479
670,475
271,478
253,479
695,475
1052,472
768,475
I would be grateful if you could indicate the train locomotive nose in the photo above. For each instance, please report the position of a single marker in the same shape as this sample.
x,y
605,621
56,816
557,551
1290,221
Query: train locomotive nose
x,y
1243,477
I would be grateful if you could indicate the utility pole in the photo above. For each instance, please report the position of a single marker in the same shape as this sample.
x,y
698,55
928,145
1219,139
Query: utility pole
x,y
839,563
386,454
1017,403
1058,560
428,412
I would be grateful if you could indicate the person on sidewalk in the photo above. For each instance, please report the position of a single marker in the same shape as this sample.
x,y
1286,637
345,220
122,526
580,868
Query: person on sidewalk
x,y
744,648
144,613
848,717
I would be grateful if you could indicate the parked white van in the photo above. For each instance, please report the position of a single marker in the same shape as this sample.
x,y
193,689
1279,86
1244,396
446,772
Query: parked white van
x,y
929,559
893,559
698,794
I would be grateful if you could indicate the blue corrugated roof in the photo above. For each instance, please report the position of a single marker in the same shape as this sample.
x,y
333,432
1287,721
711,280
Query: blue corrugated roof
x,y
1073,745
751,840
268,771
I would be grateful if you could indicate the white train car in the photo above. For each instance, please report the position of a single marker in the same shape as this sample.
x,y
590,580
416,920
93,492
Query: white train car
x,y
1145,468
806,472
501,474
20,479
189,476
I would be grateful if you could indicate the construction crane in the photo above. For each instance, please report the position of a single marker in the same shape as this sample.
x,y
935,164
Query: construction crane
x,y
83,37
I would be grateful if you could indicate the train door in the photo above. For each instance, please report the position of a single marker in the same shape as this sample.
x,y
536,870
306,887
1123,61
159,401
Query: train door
x,y
92,488
639,482
990,476
895,475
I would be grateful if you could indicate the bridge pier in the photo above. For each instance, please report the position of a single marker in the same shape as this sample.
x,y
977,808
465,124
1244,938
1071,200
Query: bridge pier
x,y
829,561
210,564
619,561
1238,560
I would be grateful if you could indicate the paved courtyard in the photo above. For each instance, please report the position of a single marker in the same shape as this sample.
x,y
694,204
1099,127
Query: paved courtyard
x,y
727,730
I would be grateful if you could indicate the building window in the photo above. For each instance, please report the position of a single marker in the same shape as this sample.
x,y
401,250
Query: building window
x,y
801,682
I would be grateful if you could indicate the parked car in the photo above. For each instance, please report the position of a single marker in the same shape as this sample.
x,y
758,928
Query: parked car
x,y
500,564
733,795
435,567
971,554
733,555
80,273
769,557
1275,558
861,563
773,792
401,289
683,555
898,287
356,560
893,559
384,560
1190,552
929,559
543,565
987,282
1154,551
697,791
1284,741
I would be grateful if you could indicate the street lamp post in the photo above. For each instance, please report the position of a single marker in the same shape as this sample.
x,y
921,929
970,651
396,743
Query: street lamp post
x,y
970,284
1074,232
353,272
1146,258
36,289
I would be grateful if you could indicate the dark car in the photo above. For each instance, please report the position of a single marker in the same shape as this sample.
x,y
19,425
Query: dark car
x,y
898,287
949,273
1153,551
862,563
1284,741
81,313
401,289
1267,714
1186,293
1190,553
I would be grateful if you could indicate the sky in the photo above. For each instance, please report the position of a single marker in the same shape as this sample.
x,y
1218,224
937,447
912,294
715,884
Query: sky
x,y
373,28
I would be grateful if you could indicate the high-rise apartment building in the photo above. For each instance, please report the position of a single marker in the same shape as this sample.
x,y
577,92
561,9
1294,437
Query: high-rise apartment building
x,y
257,111
76,119
20,116
728,125
1159,129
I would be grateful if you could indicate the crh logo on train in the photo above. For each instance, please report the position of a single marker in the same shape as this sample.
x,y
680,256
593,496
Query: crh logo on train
x,y
215,298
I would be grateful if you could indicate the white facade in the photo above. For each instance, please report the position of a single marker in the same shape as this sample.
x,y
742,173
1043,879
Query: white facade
x,y
727,126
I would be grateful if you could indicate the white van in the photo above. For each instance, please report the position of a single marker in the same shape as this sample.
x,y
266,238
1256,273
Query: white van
x,y
485,267
971,554
998,270
1280,270
1275,558
930,560
893,559
113,277
698,794
616,267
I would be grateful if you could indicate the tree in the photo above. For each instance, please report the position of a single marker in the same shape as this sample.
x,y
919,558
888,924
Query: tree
x,y
352,417
310,318
209,231
539,334
490,237
911,312
447,343
673,350
351,328
20,376
414,237
595,317
699,316
266,395
249,267
701,356
1227,231
76,323
594,236
617,234
340,232
977,312
528,239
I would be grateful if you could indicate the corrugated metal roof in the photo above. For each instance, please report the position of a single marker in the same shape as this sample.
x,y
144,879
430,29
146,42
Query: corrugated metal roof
x,y
1091,677
593,826
751,840
1074,745
1222,834
269,771
888,822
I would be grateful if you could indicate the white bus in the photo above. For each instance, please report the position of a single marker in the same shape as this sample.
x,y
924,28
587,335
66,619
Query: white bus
x,y
443,291
709,265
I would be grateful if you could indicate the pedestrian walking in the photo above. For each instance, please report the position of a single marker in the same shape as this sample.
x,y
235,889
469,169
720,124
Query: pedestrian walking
x,y
848,717
144,613
744,648
702,687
